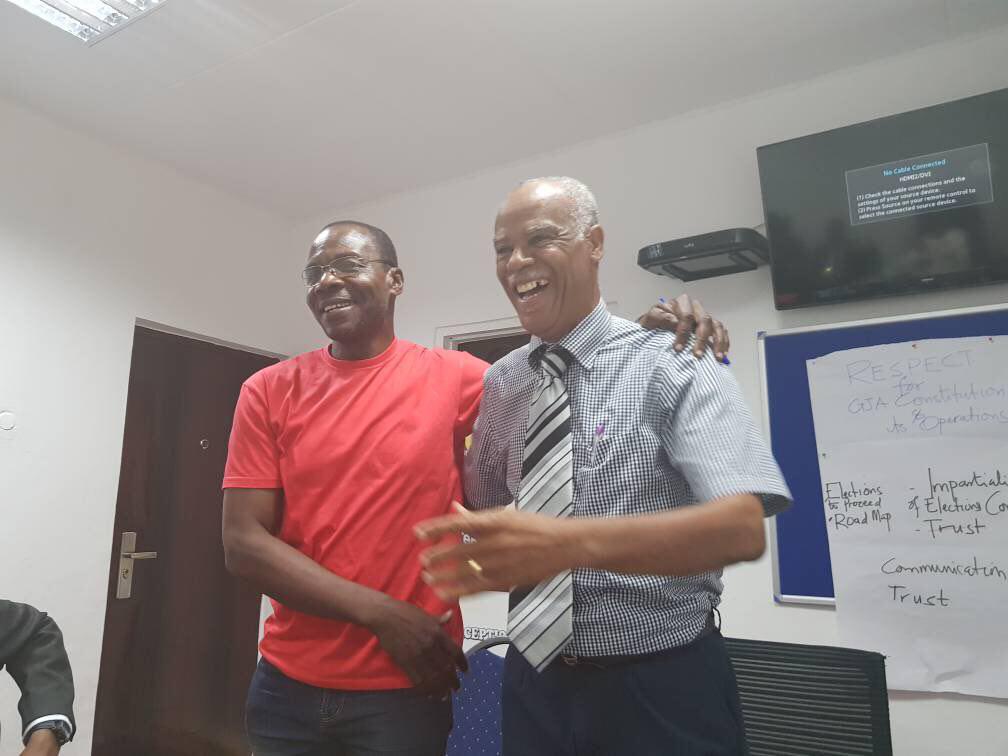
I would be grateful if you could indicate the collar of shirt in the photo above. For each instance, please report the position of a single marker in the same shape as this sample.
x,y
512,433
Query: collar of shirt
x,y
585,340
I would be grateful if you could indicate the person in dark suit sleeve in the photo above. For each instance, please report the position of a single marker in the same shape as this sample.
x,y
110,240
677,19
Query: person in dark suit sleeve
x,y
31,648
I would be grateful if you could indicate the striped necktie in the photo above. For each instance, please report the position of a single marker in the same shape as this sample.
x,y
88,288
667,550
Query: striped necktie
x,y
539,618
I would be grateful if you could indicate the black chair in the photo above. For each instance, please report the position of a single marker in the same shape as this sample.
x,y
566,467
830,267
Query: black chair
x,y
801,700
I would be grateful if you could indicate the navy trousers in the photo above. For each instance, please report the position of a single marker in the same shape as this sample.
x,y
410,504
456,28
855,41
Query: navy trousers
x,y
682,702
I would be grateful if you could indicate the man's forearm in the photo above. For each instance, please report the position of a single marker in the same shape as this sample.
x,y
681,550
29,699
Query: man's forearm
x,y
41,743
285,574
687,541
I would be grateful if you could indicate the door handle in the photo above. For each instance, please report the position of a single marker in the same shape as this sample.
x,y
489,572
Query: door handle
x,y
127,555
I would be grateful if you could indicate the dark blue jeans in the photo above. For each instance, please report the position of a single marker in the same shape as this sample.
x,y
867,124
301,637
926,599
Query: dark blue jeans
x,y
682,702
287,718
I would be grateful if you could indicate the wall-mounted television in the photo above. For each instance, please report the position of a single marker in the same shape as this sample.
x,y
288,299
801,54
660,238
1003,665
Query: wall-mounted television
x,y
908,203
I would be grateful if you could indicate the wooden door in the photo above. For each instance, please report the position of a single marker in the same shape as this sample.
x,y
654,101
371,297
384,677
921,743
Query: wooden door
x,y
178,654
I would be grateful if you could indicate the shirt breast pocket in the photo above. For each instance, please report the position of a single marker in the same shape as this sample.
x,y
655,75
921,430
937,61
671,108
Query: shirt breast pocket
x,y
612,471
600,449
633,448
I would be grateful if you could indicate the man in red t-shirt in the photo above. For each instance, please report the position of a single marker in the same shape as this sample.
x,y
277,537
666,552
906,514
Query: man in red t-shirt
x,y
335,456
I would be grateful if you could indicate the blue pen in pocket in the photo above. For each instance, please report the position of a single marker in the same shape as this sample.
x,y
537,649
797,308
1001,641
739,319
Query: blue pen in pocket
x,y
596,438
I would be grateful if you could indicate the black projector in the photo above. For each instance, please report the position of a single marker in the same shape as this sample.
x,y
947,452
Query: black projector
x,y
715,254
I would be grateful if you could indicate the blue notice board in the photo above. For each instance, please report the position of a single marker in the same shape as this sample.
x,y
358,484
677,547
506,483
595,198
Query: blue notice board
x,y
799,544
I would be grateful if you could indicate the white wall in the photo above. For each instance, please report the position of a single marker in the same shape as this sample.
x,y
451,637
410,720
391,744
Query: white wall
x,y
90,239
689,175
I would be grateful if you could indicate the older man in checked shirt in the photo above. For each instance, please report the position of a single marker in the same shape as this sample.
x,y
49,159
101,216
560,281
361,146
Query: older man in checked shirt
x,y
637,475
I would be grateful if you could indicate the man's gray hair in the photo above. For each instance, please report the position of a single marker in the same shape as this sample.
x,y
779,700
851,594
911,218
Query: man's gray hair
x,y
585,206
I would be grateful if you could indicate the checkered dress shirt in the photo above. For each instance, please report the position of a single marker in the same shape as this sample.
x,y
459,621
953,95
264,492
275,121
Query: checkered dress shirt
x,y
653,430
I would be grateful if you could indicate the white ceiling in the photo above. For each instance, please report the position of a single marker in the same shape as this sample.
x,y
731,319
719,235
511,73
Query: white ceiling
x,y
304,106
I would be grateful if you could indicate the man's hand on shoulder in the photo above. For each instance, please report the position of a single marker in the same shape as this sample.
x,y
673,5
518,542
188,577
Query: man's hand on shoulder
x,y
686,315
41,743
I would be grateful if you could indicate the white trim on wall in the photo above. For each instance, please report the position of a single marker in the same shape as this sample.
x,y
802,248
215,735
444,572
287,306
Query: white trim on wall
x,y
450,336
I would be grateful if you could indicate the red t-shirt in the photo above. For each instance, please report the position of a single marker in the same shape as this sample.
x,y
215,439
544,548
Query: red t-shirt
x,y
363,450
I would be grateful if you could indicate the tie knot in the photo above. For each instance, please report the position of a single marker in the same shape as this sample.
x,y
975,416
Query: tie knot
x,y
555,360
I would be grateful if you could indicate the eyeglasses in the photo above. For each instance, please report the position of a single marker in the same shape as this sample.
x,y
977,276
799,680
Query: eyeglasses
x,y
341,267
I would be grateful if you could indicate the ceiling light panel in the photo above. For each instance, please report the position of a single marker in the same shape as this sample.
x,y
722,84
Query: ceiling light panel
x,y
89,20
